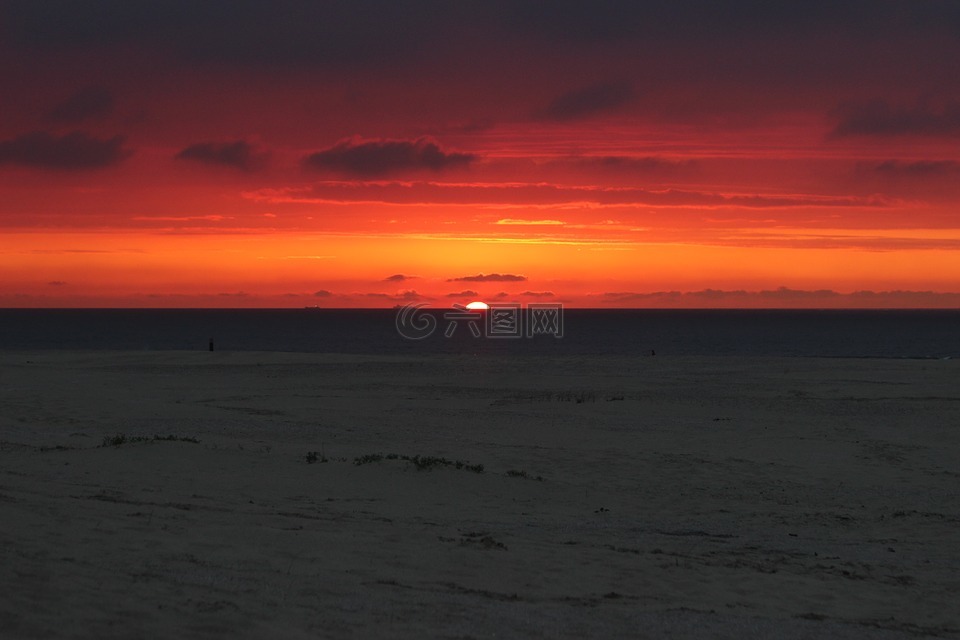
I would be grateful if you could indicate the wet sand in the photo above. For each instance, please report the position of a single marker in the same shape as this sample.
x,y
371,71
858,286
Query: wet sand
x,y
650,497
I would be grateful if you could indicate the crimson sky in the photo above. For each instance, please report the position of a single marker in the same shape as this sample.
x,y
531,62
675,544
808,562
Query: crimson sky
x,y
601,153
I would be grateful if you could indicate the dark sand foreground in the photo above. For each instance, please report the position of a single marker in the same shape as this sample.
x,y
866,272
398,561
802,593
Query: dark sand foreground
x,y
655,497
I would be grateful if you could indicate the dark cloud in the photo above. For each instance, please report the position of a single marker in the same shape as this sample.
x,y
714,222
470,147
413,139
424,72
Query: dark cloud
x,y
239,154
368,158
567,20
786,292
586,102
398,277
631,295
627,164
780,293
922,298
88,103
918,169
57,283
491,277
462,294
72,151
476,126
879,118
919,180
715,294
323,293
785,297
406,295
293,33
538,294
346,33
604,21
700,61
294,23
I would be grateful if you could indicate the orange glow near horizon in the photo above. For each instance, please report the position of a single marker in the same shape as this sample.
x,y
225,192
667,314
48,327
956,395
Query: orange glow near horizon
x,y
352,270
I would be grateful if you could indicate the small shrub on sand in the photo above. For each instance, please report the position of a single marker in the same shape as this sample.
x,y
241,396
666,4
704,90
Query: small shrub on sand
x,y
173,438
316,456
579,398
114,441
421,463
121,438
519,473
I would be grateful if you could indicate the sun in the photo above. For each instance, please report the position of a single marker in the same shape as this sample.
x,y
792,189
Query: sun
x,y
478,306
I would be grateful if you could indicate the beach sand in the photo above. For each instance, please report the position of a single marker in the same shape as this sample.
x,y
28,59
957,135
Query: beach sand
x,y
619,497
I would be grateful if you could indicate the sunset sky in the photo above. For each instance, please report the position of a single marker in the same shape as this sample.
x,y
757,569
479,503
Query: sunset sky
x,y
602,153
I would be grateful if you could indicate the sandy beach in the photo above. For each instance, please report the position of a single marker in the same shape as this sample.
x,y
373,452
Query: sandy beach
x,y
169,495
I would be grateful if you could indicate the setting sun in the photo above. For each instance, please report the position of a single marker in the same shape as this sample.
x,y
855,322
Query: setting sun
x,y
478,306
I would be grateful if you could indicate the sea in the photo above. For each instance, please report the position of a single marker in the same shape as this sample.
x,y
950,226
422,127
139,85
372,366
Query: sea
x,y
933,334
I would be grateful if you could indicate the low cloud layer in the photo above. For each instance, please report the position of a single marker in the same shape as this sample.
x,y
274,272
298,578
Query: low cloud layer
x,y
407,295
917,169
781,297
629,164
491,277
73,151
371,158
238,154
543,194
85,104
879,118
586,102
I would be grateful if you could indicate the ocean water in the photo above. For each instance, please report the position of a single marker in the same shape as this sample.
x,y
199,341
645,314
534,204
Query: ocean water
x,y
826,333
